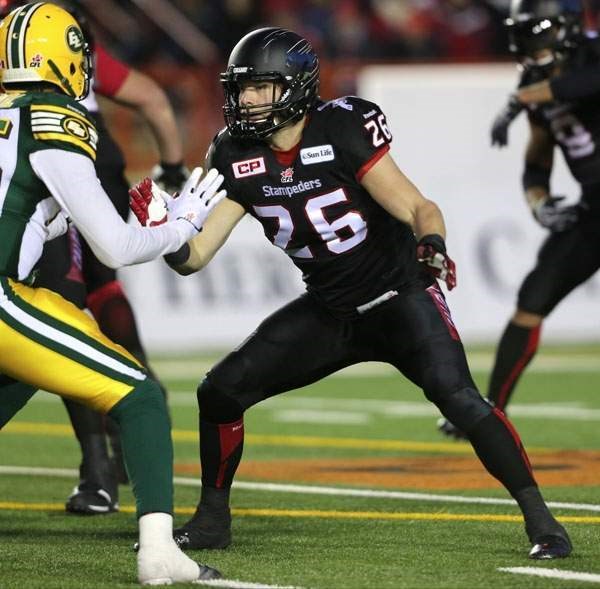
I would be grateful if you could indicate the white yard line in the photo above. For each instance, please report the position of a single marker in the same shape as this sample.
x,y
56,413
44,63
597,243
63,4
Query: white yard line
x,y
235,584
552,574
317,490
296,408
479,361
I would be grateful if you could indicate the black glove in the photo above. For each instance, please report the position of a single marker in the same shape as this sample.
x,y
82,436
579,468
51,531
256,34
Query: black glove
x,y
431,252
170,177
499,131
556,218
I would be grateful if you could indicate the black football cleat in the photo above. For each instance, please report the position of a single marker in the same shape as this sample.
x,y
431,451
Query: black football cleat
x,y
205,530
207,573
550,547
450,430
87,501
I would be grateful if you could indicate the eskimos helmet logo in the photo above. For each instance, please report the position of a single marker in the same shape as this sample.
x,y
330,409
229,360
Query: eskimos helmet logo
x,y
74,39
42,43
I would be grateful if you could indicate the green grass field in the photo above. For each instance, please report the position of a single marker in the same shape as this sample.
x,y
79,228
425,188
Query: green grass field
x,y
366,429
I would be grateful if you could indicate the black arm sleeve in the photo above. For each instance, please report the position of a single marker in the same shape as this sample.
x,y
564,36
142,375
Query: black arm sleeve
x,y
178,257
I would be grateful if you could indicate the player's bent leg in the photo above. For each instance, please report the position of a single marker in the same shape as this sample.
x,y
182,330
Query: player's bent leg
x,y
565,261
221,426
516,349
500,450
111,309
281,355
49,343
438,364
60,270
148,451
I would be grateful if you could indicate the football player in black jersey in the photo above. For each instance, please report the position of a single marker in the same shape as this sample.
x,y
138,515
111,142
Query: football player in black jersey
x,y
319,178
560,92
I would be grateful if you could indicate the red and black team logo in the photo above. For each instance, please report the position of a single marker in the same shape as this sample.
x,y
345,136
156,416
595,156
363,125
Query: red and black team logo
x,y
287,175
252,167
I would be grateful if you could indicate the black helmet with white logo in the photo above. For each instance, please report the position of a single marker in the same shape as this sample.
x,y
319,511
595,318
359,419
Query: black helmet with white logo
x,y
270,55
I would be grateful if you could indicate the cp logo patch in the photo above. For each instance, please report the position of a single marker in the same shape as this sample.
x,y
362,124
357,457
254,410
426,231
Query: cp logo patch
x,y
252,167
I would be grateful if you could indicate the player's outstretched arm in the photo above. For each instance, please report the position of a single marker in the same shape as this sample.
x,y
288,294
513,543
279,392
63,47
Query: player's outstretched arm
x,y
401,198
72,180
219,225
153,207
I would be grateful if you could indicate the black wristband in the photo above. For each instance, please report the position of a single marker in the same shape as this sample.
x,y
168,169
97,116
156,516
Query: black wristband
x,y
535,175
435,240
179,257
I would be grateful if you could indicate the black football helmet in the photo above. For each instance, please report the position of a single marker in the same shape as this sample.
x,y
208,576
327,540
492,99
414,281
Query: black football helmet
x,y
270,55
535,25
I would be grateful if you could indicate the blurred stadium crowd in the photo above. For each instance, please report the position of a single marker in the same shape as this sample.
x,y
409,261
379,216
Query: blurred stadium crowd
x,y
204,31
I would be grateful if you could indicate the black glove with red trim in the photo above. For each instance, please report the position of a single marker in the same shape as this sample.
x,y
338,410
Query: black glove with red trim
x,y
431,252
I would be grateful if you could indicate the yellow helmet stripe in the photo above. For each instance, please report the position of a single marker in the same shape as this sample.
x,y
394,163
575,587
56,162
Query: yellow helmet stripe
x,y
16,37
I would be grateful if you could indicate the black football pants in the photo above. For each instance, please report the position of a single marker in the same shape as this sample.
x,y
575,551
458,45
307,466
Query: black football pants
x,y
565,260
302,343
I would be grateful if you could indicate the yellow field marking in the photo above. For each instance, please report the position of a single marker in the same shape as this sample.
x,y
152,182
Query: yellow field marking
x,y
40,429
59,430
325,514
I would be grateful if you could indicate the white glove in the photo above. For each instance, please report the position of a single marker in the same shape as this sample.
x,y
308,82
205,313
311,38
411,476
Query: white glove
x,y
197,198
153,206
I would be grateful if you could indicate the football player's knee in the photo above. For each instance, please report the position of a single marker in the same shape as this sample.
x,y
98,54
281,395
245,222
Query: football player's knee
x,y
534,300
216,405
443,378
145,398
464,408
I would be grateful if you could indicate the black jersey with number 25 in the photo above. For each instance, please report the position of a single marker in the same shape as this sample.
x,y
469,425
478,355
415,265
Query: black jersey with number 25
x,y
312,205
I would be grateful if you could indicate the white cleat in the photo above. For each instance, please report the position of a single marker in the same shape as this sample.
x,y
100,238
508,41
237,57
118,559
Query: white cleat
x,y
166,565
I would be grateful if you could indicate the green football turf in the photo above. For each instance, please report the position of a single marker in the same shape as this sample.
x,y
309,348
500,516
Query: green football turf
x,y
318,541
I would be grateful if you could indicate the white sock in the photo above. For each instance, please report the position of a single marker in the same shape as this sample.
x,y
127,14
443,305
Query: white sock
x,y
155,529
159,558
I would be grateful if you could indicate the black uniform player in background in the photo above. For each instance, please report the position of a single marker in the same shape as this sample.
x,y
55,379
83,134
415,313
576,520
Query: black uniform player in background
x,y
560,91
319,178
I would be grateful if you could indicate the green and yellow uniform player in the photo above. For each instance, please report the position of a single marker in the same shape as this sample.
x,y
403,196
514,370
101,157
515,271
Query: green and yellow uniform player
x,y
47,178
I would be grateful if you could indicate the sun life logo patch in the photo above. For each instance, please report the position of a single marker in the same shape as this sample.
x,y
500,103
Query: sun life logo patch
x,y
74,39
76,128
